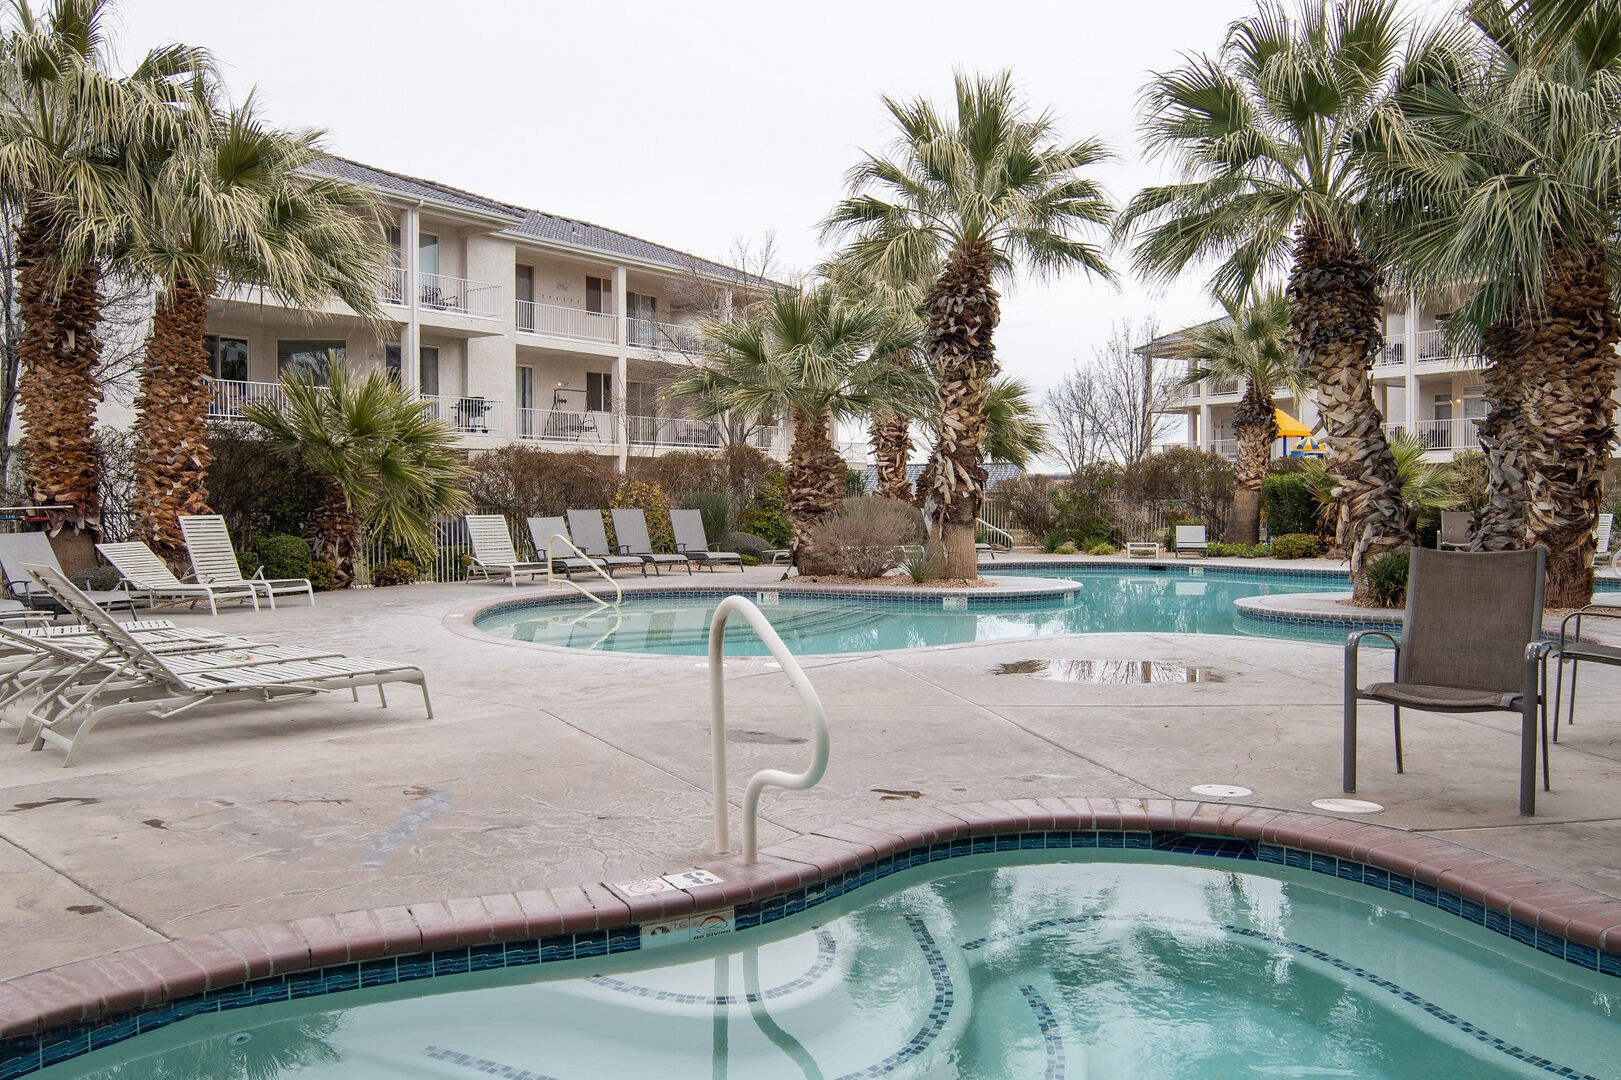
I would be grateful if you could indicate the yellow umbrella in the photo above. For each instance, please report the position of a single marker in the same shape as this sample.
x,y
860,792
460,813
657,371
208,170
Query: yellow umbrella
x,y
1289,427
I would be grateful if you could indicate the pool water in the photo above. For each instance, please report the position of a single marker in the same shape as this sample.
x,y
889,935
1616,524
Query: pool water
x,y
1172,600
1016,966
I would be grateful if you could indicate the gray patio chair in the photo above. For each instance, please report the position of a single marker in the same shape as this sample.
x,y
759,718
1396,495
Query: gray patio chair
x,y
34,549
541,531
1456,525
630,530
1191,538
1573,650
693,542
1471,641
586,529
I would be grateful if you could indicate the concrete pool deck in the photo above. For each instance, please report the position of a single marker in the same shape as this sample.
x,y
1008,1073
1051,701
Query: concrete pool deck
x,y
547,767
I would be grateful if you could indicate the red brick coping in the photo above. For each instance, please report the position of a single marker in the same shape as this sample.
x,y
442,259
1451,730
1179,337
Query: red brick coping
x,y
151,975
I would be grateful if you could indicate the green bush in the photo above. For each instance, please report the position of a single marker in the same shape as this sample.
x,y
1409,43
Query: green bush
x,y
718,511
1241,551
1066,548
1297,546
1102,547
747,545
1289,504
1052,541
767,514
394,572
1387,579
747,559
280,556
96,578
324,575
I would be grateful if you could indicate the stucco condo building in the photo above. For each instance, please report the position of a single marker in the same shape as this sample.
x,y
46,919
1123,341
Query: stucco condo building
x,y
518,325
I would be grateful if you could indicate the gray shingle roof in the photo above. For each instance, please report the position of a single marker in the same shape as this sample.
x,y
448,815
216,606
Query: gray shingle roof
x,y
535,223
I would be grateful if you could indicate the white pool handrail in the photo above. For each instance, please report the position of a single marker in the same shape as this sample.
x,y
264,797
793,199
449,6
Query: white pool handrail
x,y
988,527
717,725
603,571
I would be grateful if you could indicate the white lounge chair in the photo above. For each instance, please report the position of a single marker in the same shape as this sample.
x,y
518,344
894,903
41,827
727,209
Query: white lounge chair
x,y
1601,541
213,560
494,556
543,529
147,575
693,542
1190,538
146,682
630,530
34,548
591,537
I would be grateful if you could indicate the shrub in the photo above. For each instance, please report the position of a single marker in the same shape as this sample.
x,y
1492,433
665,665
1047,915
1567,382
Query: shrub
x,y
1297,546
96,578
1052,541
861,538
718,510
655,507
1289,503
748,560
1198,483
324,575
1102,547
1066,548
521,481
1387,579
747,545
1029,501
766,515
1241,551
738,470
918,563
394,572
257,490
280,555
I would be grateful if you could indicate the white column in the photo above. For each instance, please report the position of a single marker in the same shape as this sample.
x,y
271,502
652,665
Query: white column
x,y
1410,348
1206,437
411,333
621,370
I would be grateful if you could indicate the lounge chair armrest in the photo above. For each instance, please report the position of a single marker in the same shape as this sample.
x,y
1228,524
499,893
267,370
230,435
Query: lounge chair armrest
x,y
622,549
1354,642
257,575
681,549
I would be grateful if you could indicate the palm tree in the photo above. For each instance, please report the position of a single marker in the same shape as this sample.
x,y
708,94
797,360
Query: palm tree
x,y
66,126
1516,172
1428,487
980,194
1250,345
390,466
231,204
815,358
1266,135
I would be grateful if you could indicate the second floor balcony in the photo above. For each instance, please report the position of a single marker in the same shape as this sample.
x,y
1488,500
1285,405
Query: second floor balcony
x,y
439,293
1454,434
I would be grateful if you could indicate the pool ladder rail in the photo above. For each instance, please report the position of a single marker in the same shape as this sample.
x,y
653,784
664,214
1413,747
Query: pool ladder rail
x,y
717,725
596,567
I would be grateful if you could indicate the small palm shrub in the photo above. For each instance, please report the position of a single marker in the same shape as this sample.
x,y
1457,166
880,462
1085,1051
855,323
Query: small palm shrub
x,y
1387,579
863,537
918,564
394,572
1052,541
1297,546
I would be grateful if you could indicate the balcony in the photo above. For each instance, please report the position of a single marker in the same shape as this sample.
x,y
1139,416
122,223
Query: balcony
x,y
1227,448
1432,346
1393,354
671,339
451,295
468,415
228,397
1458,434
575,324
564,425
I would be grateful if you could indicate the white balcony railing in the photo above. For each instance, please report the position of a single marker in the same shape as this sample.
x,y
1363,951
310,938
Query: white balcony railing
x,y
468,415
457,296
564,425
1393,354
1458,434
683,433
576,324
1432,345
1227,448
663,337
228,397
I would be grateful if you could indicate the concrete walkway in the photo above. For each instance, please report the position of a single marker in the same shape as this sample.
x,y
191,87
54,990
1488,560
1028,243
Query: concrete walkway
x,y
547,767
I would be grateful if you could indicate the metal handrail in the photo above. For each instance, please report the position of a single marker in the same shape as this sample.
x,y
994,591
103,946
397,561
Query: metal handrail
x,y
988,527
602,571
717,725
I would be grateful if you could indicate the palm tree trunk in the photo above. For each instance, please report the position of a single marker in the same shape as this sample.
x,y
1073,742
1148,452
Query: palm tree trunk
x,y
815,480
1335,315
1501,525
1255,423
58,394
963,313
171,426
337,534
1572,367
891,450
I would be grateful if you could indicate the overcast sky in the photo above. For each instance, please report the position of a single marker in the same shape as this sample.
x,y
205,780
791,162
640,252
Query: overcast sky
x,y
695,125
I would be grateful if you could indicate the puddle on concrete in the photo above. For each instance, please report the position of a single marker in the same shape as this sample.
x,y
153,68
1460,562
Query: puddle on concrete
x,y
1111,672
768,738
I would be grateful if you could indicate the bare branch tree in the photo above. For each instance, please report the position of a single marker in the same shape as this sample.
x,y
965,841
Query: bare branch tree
x,y
1114,407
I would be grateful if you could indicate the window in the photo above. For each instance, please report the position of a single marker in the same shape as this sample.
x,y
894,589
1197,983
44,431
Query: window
x,y
598,295
641,399
643,312
427,368
227,358
1474,402
310,359
598,392
524,392
523,289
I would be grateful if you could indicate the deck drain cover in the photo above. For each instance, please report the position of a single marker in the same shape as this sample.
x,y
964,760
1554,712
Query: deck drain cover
x,y
1110,672
1220,791
1348,806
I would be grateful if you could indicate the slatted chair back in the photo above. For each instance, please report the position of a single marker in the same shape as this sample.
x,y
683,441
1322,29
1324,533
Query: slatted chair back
x,y
140,565
1601,534
208,543
1470,616
630,529
103,625
492,543
689,530
589,533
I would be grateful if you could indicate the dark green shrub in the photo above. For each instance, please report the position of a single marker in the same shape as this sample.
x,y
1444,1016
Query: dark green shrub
x,y
855,483
280,555
1289,504
1241,551
747,559
1054,540
1297,546
747,545
767,514
394,572
718,511
257,490
96,578
323,575
1387,579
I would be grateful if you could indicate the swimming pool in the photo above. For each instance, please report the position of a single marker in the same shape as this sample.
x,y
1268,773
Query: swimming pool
x,y
1116,964
1165,599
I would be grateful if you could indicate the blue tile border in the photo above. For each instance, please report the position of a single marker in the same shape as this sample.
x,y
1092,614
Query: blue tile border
x,y
23,1055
